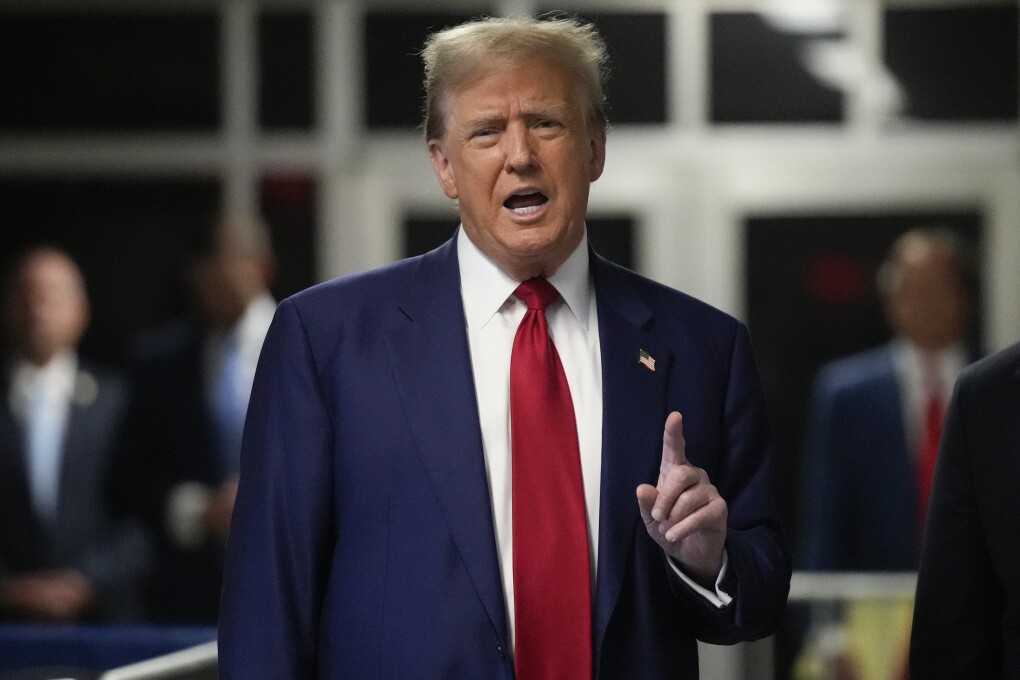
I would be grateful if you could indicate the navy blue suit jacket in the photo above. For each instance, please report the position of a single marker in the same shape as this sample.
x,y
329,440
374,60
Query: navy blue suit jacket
x,y
362,544
859,493
968,586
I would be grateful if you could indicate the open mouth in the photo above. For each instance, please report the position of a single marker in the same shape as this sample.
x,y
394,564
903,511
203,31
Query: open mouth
x,y
526,202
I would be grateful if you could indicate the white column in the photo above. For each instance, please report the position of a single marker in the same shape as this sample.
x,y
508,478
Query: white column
x,y
239,92
338,54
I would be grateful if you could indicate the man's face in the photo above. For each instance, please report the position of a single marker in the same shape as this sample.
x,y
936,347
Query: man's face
x,y
47,310
929,305
225,283
518,154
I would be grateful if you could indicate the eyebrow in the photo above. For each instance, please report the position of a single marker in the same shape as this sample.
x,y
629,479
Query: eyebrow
x,y
487,118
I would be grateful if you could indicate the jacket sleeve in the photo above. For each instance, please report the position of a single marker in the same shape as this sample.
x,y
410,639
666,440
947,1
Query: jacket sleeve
x,y
281,533
759,563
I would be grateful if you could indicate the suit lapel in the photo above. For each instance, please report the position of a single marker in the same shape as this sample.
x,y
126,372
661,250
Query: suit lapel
x,y
79,452
13,467
888,394
634,412
430,353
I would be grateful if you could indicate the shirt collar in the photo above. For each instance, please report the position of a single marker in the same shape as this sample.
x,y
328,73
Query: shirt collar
x,y
247,332
913,361
58,376
485,287
257,317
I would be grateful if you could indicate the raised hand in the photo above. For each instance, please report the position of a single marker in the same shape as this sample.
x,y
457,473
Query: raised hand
x,y
684,512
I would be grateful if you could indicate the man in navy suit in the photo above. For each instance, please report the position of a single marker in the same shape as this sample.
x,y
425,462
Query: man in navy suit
x,y
373,532
863,497
968,588
62,557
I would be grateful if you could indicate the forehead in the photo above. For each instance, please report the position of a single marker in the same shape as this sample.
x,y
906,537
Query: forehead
x,y
48,269
535,81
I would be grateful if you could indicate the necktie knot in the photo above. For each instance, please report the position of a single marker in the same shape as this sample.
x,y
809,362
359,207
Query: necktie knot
x,y
536,293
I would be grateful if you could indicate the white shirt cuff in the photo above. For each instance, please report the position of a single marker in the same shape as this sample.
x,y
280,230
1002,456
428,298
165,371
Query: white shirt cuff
x,y
184,509
720,598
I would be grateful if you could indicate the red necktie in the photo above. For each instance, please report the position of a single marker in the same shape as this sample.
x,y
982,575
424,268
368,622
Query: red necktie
x,y
552,591
930,434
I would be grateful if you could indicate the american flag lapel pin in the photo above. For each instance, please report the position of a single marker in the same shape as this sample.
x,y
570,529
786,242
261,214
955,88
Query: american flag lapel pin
x,y
646,360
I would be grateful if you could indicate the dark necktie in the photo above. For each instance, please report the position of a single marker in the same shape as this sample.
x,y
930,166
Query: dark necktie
x,y
552,573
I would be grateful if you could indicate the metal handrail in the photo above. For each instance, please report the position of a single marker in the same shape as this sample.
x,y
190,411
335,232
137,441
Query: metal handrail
x,y
187,663
815,586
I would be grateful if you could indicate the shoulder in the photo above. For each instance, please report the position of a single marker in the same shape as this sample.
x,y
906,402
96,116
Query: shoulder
x,y
370,286
367,300
860,369
364,307
97,382
998,369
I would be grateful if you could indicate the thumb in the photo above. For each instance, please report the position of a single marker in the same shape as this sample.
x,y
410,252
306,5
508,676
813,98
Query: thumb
x,y
673,444
646,495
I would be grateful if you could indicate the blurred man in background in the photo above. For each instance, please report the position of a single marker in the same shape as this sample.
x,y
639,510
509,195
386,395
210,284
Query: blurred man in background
x,y
875,417
872,437
61,558
182,441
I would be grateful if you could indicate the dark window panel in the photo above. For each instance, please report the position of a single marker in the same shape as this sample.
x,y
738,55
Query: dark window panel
x,y
106,71
130,238
288,204
394,93
612,236
757,75
955,63
422,234
286,70
637,91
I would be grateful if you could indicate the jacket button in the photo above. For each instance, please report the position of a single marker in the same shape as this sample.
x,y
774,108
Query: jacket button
x,y
501,652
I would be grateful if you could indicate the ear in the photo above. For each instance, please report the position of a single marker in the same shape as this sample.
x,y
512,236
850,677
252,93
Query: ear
x,y
597,163
444,169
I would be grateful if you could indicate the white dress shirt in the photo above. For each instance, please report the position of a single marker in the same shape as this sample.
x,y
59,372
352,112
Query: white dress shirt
x,y
916,371
249,333
188,501
43,394
493,315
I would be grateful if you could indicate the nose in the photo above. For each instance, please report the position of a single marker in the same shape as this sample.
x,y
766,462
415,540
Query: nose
x,y
517,147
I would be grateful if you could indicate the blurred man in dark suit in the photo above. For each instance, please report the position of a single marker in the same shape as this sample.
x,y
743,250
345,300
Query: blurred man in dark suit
x,y
61,557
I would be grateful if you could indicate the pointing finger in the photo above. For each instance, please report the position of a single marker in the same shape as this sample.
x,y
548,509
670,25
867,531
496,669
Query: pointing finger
x,y
673,445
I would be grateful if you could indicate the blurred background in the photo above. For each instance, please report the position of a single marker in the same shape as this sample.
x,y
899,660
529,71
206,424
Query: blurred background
x,y
763,157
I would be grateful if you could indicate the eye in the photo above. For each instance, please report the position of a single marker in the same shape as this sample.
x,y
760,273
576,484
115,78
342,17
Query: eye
x,y
547,127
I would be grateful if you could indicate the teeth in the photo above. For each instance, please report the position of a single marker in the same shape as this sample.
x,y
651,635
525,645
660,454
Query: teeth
x,y
530,210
